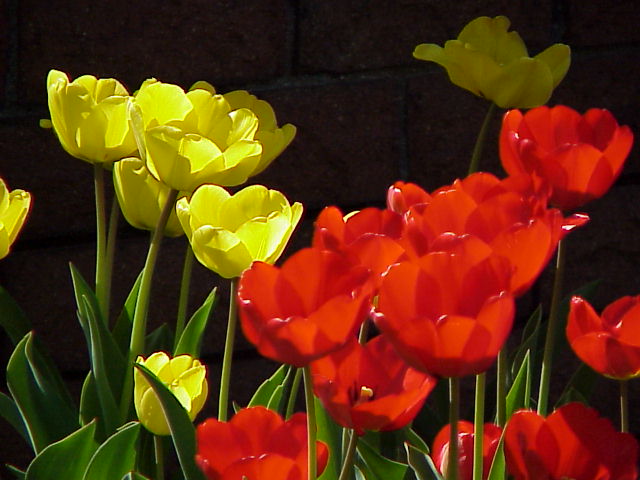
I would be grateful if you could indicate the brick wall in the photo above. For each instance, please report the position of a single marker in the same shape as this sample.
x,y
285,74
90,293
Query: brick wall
x,y
340,70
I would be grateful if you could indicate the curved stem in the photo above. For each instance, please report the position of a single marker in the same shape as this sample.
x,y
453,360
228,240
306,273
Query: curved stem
x,y
624,406
501,388
183,301
101,238
347,464
454,414
474,164
159,451
293,394
547,359
311,423
112,237
478,426
225,377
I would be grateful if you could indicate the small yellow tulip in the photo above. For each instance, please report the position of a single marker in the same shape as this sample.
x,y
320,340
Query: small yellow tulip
x,y
228,233
14,207
184,375
493,63
89,117
142,197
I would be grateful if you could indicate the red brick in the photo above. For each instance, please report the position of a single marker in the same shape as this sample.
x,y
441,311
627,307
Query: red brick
x,y
341,36
603,23
175,42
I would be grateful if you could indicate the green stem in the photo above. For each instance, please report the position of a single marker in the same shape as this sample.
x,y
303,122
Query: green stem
x,y
293,394
101,238
347,465
159,451
111,249
225,377
549,344
501,388
139,327
454,415
624,406
478,426
311,423
474,164
183,302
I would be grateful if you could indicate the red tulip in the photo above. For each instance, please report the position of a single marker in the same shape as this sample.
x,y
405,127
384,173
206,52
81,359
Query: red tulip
x,y
579,156
610,344
449,312
369,387
307,308
402,196
490,440
573,442
257,444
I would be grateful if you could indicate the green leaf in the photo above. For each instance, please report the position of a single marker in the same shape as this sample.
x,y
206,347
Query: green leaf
x,y
265,391
275,402
330,433
135,476
191,338
89,402
66,459
81,289
115,457
40,395
520,391
12,318
498,469
580,386
377,467
421,464
9,411
416,440
182,430
17,473
529,343
160,339
124,323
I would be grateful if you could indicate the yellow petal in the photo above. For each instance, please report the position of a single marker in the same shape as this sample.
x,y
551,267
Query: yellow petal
x,y
526,83
558,58
163,103
220,251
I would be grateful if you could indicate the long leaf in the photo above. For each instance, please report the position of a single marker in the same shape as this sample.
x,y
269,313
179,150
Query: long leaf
x,y
265,391
580,386
39,393
16,472
9,411
191,339
182,430
122,328
81,289
520,391
12,318
331,434
377,467
115,457
66,459
421,464
498,467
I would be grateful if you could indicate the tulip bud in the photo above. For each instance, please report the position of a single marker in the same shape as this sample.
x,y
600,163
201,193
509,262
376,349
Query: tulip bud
x,y
184,375
14,207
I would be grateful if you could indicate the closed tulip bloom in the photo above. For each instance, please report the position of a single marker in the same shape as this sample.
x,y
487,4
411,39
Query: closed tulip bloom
x,y
308,308
369,387
573,442
256,444
608,343
89,116
184,375
401,196
14,207
493,63
142,197
578,156
229,232
490,439
195,137
449,312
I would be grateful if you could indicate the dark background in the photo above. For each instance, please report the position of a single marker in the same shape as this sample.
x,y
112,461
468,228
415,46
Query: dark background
x,y
367,114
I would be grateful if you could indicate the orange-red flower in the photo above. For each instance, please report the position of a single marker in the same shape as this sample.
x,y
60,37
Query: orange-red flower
x,y
369,387
307,308
490,439
449,312
610,344
256,444
573,442
401,196
579,156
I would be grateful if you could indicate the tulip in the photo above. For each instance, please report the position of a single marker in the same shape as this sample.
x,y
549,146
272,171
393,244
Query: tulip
x,y
449,312
142,197
184,375
369,387
308,308
14,207
401,196
257,444
89,117
578,156
493,63
573,442
229,232
196,137
490,440
610,344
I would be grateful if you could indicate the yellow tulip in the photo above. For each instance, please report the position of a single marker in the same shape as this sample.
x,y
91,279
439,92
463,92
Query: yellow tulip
x,y
184,375
89,117
142,197
14,207
493,63
195,137
228,233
